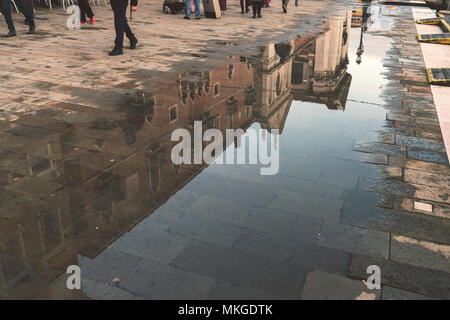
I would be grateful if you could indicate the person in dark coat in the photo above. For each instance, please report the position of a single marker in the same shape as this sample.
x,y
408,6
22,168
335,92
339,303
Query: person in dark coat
x,y
121,25
223,5
246,9
257,5
5,7
284,5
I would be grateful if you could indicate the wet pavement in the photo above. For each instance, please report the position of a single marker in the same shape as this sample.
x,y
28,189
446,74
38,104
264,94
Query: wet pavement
x,y
87,179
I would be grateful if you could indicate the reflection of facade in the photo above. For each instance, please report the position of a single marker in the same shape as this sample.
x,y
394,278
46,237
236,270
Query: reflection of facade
x,y
273,81
88,187
319,67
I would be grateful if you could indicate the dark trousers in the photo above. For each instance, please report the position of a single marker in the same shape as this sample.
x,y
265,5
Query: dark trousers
x,y
21,4
223,5
134,3
120,22
285,3
85,10
257,5
246,5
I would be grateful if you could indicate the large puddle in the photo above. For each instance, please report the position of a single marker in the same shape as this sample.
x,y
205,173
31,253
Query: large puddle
x,y
107,197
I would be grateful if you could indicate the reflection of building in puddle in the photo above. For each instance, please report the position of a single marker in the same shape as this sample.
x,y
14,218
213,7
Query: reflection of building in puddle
x,y
86,188
319,69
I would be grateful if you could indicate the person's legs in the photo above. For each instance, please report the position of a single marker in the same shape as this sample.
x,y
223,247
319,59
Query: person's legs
x,y
82,5
116,6
242,6
88,9
260,4
188,8
285,3
197,9
25,10
126,26
6,9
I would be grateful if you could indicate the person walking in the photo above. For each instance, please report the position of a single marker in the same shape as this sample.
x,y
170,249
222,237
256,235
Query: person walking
x,y
284,5
246,9
86,10
188,9
121,26
5,7
257,5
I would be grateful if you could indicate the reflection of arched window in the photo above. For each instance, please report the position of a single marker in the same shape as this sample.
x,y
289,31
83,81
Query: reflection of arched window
x,y
230,71
278,85
231,109
192,90
184,92
199,88
249,96
207,81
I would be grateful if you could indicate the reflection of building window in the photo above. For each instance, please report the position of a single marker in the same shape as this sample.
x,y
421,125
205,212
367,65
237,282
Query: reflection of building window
x,y
199,88
173,113
231,109
249,96
207,81
184,92
192,90
216,89
297,73
278,85
230,71
247,111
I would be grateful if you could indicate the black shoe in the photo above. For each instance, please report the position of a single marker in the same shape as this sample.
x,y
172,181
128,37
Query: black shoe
x,y
116,51
10,34
242,12
284,9
259,16
32,29
247,10
198,18
254,16
186,17
133,43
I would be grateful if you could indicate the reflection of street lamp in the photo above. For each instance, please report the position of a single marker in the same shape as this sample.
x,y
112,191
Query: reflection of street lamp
x,y
360,49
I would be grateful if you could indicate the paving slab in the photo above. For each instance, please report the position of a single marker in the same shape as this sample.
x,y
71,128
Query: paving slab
x,y
320,285
354,239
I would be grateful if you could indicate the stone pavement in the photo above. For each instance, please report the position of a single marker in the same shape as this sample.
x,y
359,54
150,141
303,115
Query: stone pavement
x,y
364,176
